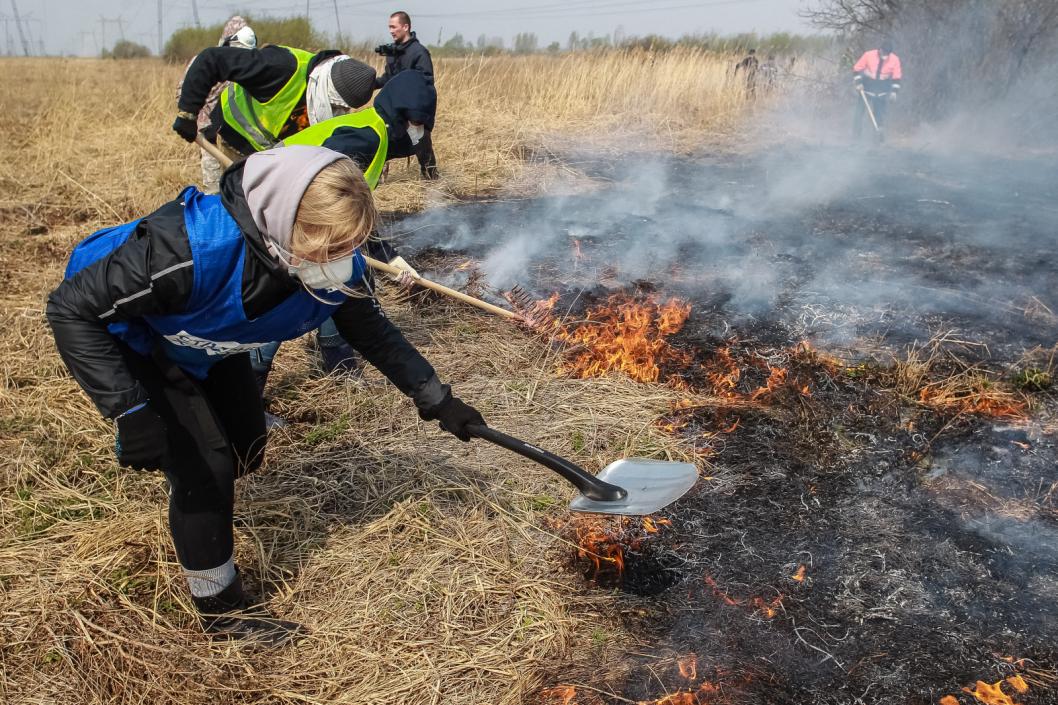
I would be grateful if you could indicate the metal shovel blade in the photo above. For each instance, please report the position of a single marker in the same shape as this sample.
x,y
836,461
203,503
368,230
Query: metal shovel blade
x,y
651,485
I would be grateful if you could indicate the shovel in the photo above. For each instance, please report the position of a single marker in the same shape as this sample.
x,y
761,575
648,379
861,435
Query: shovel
x,y
630,486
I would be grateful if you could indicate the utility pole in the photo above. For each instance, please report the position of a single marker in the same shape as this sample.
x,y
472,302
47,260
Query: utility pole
x,y
160,47
337,19
18,25
306,9
194,11
84,43
7,35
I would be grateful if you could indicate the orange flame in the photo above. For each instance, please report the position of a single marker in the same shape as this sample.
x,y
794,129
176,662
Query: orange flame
x,y
799,576
990,693
724,373
948,700
776,378
1018,684
976,401
601,547
627,336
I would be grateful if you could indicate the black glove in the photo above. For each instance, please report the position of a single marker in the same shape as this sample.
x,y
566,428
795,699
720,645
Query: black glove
x,y
141,441
454,416
187,128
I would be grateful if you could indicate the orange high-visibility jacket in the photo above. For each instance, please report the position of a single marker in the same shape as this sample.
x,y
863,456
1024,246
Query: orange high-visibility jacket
x,y
878,76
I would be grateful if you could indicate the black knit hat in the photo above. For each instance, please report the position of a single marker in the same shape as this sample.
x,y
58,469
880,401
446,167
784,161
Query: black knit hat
x,y
354,80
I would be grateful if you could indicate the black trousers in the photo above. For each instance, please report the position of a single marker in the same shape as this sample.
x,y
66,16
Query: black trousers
x,y
216,433
424,153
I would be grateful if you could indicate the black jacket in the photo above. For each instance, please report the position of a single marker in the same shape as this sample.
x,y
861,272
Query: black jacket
x,y
409,55
144,277
262,72
409,96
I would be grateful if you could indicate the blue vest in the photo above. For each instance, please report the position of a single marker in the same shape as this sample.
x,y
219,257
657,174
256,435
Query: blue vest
x,y
213,324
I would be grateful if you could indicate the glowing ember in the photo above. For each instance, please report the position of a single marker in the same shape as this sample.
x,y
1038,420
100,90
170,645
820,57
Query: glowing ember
x,y
769,609
948,700
650,524
627,336
799,576
560,695
688,666
705,694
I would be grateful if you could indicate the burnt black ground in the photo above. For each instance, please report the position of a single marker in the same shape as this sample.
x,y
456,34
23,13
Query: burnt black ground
x,y
930,542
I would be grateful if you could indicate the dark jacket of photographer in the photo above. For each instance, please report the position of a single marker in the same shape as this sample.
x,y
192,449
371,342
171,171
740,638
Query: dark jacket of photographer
x,y
401,57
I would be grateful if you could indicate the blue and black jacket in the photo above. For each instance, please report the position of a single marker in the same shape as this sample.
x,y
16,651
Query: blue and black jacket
x,y
159,284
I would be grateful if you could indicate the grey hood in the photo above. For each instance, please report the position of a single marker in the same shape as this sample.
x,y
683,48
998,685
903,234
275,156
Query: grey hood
x,y
274,182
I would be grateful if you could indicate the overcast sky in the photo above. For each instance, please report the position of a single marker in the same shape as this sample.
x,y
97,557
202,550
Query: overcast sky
x,y
74,26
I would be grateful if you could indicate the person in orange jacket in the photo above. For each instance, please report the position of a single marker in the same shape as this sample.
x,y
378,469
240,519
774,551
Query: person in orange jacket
x,y
877,77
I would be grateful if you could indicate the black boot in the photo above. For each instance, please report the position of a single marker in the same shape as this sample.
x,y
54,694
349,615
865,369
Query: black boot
x,y
230,615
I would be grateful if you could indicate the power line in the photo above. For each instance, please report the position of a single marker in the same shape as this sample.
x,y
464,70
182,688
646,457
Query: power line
x,y
337,19
572,9
18,26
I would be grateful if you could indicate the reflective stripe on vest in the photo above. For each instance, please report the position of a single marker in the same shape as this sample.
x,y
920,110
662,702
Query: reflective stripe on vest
x,y
319,133
261,123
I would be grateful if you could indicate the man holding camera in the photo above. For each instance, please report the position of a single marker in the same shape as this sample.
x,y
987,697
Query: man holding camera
x,y
404,53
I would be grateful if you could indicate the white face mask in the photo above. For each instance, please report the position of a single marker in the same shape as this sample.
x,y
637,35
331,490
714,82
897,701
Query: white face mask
x,y
416,132
330,276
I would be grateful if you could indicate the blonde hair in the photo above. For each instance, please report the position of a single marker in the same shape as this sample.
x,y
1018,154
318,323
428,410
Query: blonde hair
x,y
336,214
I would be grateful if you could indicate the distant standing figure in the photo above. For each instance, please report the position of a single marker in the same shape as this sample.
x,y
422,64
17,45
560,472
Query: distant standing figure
x,y
236,33
749,65
403,54
769,73
877,77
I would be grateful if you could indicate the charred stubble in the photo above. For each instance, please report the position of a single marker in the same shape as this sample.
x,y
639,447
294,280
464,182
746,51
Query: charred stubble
x,y
869,530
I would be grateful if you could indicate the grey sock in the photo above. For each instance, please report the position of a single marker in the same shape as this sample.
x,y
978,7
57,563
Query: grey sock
x,y
207,583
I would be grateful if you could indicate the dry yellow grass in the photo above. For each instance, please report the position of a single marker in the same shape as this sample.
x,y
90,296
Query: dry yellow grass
x,y
421,565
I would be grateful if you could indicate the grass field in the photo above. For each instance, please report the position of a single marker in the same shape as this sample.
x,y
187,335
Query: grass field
x,y
427,571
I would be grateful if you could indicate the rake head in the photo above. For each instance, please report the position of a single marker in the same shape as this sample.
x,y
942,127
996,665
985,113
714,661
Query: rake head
x,y
531,311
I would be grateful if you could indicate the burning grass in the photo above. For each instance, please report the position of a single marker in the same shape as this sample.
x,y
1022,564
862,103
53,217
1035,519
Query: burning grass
x,y
420,565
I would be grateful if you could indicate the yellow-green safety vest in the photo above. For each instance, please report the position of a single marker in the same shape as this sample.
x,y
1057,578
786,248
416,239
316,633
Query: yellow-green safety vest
x,y
261,123
317,134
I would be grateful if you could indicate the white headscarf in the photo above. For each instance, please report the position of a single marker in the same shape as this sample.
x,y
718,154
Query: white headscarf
x,y
321,94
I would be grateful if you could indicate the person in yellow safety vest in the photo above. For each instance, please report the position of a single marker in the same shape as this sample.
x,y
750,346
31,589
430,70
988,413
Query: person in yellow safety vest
x,y
274,92
236,33
403,110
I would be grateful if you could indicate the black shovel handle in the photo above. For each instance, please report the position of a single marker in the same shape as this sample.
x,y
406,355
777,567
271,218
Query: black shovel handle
x,y
589,485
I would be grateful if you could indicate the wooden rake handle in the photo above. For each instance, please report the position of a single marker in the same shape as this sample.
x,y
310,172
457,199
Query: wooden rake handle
x,y
221,157
442,289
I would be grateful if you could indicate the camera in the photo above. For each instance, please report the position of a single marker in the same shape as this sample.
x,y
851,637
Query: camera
x,y
391,49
